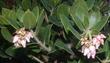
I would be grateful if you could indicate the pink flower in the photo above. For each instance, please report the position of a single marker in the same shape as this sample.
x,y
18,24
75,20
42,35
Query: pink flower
x,y
89,51
89,46
86,51
20,43
92,51
96,43
20,39
28,36
98,40
15,38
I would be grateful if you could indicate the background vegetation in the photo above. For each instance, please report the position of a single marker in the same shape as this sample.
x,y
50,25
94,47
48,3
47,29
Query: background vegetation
x,y
59,24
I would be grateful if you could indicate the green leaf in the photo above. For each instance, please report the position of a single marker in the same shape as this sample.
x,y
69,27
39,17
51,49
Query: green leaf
x,y
76,20
11,51
78,12
3,20
3,55
33,47
5,12
36,50
65,22
40,21
76,34
45,33
63,9
19,14
94,18
12,15
29,19
55,21
98,27
9,14
26,4
80,61
78,45
36,12
68,27
90,4
46,4
81,9
12,20
81,3
14,24
48,33
106,48
6,34
86,22
56,2
61,45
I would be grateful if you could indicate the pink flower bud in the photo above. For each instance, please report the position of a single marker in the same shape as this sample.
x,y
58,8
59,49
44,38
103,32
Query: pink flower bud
x,y
98,40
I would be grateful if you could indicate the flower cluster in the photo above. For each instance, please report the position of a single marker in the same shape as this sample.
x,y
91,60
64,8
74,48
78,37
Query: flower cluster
x,y
89,46
21,37
98,40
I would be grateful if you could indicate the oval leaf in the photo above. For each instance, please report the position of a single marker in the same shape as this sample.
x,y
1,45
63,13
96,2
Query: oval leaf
x,y
11,51
6,34
61,45
68,27
94,18
3,20
29,19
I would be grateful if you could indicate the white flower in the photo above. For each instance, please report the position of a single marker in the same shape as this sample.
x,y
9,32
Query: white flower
x,y
86,51
92,51
89,51
15,38
22,36
28,36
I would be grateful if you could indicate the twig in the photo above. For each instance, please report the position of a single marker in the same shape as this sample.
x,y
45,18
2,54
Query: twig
x,y
40,43
106,61
35,58
99,59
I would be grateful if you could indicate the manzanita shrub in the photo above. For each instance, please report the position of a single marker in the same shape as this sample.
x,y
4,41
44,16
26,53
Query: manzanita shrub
x,y
54,31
